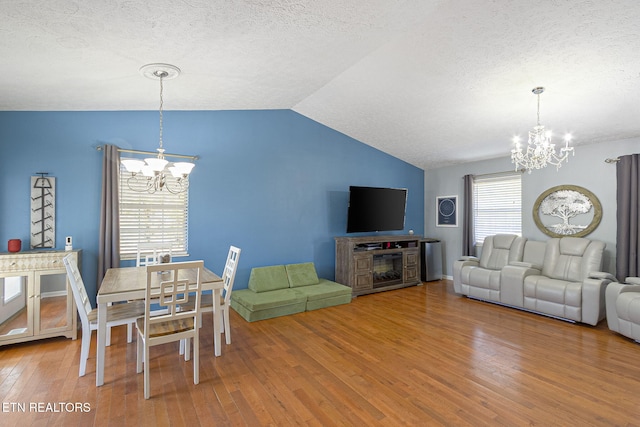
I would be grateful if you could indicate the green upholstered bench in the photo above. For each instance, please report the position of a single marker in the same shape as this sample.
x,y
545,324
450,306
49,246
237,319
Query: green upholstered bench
x,y
280,290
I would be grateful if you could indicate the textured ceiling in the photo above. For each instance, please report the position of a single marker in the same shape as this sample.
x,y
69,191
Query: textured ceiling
x,y
430,82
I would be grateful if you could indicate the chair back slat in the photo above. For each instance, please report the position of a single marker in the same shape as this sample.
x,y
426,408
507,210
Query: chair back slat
x,y
77,287
153,253
172,285
229,273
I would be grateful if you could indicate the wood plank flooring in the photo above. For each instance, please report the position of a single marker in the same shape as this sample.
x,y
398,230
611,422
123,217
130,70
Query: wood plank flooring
x,y
415,356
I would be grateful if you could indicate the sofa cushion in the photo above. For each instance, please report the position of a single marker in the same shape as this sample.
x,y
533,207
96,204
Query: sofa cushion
x,y
481,277
552,296
302,274
328,302
255,301
534,253
325,294
499,250
628,307
324,289
264,279
572,258
268,313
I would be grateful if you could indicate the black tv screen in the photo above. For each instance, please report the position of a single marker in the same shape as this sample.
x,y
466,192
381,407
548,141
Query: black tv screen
x,y
376,209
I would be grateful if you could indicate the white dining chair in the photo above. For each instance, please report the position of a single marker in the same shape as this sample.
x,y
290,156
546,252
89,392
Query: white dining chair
x,y
228,277
166,284
153,253
117,314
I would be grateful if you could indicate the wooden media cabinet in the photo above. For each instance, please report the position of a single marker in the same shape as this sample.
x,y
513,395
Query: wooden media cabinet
x,y
370,264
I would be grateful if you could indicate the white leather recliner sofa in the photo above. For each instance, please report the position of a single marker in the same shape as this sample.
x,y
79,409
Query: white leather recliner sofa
x,y
623,307
558,278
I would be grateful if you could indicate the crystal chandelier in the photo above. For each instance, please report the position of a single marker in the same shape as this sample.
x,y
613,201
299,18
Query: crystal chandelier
x,y
540,152
153,173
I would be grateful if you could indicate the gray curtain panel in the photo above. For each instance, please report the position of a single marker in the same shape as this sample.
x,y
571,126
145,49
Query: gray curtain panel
x,y
628,204
468,244
109,241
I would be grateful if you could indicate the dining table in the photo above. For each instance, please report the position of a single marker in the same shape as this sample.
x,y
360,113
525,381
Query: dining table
x,y
130,283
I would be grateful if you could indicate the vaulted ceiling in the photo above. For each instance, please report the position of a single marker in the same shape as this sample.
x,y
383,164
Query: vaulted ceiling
x,y
432,82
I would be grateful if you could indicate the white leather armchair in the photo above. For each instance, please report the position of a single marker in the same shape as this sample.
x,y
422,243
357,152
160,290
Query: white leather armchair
x,y
623,307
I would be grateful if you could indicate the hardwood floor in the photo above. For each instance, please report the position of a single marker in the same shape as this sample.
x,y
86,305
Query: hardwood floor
x,y
415,356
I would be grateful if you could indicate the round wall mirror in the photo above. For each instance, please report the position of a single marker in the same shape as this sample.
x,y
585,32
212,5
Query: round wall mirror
x,y
567,210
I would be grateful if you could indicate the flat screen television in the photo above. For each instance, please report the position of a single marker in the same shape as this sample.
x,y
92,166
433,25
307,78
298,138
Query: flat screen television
x,y
376,209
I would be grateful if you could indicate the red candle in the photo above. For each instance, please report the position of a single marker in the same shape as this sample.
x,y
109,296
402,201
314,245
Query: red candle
x,y
15,245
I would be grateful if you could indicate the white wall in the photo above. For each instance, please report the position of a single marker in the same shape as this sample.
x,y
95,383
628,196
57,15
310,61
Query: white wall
x,y
586,169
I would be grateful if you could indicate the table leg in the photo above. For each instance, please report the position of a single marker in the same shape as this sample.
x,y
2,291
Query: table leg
x,y
102,340
217,321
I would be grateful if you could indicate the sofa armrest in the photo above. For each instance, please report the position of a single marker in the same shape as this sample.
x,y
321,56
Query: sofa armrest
x,y
602,275
457,269
469,258
633,280
594,301
512,279
593,298
611,295
526,265
464,262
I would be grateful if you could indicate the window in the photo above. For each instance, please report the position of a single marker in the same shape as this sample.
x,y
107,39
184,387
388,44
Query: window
x,y
161,217
497,205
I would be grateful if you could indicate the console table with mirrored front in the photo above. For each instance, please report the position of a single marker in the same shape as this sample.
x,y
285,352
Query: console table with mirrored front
x,y
36,301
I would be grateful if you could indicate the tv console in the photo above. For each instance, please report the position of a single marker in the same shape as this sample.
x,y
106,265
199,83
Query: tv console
x,y
370,264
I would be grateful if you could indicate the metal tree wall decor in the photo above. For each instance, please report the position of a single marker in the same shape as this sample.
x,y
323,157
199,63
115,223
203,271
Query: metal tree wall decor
x,y
567,210
43,211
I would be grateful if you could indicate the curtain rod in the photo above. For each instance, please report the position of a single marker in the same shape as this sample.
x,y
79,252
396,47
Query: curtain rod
x,y
617,159
497,174
180,156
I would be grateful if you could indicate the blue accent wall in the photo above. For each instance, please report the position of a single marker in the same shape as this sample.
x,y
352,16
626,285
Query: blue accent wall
x,y
271,182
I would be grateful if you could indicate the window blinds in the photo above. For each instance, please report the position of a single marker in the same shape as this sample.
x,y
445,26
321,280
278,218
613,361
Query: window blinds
x,y
158,218
497,206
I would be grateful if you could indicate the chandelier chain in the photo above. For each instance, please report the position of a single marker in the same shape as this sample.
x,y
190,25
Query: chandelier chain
x,y
161,104
156,173
162,75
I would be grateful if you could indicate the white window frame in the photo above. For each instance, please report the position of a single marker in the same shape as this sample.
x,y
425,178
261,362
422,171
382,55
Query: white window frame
x,y
152,218
497,205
